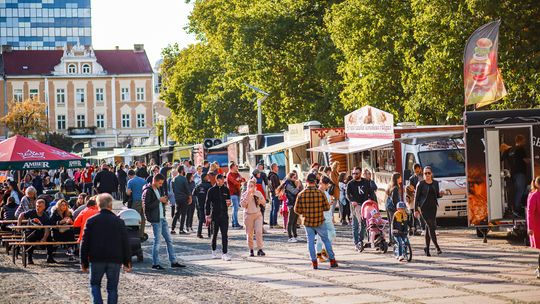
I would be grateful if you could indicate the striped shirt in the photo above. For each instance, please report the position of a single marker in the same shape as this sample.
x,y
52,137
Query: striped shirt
x,y
311,203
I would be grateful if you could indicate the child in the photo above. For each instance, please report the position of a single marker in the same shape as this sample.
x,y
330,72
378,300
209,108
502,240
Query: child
x,y
374,223
400,228
285,213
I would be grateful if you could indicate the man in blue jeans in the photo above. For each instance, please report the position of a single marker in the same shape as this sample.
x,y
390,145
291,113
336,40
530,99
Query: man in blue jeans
x,y
234,183
359,190
154,209
273,183
104,248
311,203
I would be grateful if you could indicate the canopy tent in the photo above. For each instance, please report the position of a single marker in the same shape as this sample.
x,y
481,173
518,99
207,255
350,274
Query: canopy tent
x,y
138,151
231,141
21,153
280,147
353,146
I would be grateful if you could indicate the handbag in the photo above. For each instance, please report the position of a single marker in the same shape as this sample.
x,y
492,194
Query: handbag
x,y
262,207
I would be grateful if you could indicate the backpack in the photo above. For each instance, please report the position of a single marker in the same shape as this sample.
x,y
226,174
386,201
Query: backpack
x,y
390,206
331,188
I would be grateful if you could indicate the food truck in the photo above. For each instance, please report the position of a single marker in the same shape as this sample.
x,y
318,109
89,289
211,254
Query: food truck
x,y
372,142
492,171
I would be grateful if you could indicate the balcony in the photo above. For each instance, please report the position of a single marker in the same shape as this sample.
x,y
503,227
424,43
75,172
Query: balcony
x,y
82,131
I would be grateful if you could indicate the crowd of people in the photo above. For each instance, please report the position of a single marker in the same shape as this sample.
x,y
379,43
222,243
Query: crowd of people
x,y
70,197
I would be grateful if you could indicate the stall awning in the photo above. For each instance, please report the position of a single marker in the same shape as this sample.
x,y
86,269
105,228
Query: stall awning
x,y
227,143
418,138
358,145
138,152
280,147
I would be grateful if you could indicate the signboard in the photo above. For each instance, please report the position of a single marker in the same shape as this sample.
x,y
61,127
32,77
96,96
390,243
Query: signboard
x,y
296,131
243,129
369,122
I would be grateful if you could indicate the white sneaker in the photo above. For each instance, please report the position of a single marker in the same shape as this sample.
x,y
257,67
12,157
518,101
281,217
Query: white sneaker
x,y
293,240
537,272
401,258
299,239
423,233
214,254
225,257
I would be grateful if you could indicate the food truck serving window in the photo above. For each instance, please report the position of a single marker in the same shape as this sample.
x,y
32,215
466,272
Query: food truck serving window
x,y
384,160
444,163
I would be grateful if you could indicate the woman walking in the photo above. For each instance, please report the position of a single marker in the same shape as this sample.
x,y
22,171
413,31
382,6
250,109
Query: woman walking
x,y
252,200
427,193
191,206
394,194
533,218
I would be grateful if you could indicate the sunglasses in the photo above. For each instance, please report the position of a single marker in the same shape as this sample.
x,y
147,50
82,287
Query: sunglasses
x,y
427,173
356,173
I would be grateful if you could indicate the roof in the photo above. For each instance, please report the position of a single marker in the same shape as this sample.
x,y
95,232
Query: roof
x,y
280,147
353,146
42,62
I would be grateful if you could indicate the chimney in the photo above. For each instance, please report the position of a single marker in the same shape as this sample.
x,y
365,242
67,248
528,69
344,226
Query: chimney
x,y
138,48
6,48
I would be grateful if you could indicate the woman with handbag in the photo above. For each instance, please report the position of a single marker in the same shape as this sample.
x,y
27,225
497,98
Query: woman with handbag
x,y
252,200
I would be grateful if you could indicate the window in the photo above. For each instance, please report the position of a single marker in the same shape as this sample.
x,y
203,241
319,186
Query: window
x,y
18,95
60,97
100,121
141,122
79,95
444,163
34,94
100,144
72,68
125,121
140,94
99,95
81,121
86,68
61,122
124,94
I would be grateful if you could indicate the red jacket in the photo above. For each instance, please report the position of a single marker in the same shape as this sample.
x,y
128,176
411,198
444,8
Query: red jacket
x,y
81,219
234,182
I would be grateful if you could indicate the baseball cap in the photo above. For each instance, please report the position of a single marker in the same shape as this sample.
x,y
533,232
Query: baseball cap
x,y
373,212
311,178
220,176
401,205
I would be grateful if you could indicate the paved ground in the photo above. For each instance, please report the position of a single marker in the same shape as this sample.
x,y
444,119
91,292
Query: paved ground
x,y
468,272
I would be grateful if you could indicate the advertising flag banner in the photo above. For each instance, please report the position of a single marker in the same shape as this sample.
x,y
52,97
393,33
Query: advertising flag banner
x,y
482,79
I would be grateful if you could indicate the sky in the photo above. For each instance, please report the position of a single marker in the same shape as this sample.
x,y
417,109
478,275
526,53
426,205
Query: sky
x,y
154,23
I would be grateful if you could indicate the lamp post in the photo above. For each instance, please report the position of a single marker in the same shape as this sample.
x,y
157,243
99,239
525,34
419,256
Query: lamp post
x,y
259,102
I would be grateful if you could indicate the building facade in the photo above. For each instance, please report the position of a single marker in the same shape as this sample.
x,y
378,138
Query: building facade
x,y
102,98
45,24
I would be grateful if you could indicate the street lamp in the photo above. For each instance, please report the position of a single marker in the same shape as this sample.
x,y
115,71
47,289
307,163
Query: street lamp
x,y
259,102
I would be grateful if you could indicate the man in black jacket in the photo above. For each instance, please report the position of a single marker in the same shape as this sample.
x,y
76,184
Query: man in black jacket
x,y
359,190
105,181
104,248
154,210
201,192
218,201
273,183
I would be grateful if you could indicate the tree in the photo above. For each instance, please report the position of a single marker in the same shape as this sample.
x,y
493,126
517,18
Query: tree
x,y
59,141
26,118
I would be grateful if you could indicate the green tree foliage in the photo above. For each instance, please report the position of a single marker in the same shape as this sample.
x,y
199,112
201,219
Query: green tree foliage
x,y
321,59
59,141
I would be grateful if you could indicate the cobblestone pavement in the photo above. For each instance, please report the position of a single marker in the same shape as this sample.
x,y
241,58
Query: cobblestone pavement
x,y
468,271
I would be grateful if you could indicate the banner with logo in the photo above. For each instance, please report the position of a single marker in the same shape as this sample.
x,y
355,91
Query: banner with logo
x,y
369,122
482,79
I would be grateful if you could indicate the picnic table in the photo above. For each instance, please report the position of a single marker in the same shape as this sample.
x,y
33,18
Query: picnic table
x,y
23,240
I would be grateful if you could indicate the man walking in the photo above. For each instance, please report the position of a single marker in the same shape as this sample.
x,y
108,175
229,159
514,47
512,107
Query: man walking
x,y
104,248
410,190
134,191
311,203
105,181
217,202
201,191
182,196
273,183
234,182
154,209
359,190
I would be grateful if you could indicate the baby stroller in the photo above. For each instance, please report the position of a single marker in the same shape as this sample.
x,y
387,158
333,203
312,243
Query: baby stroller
x,y
375,231
132,219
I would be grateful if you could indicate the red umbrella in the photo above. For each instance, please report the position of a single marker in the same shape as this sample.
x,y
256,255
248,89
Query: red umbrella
x,y
21,153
